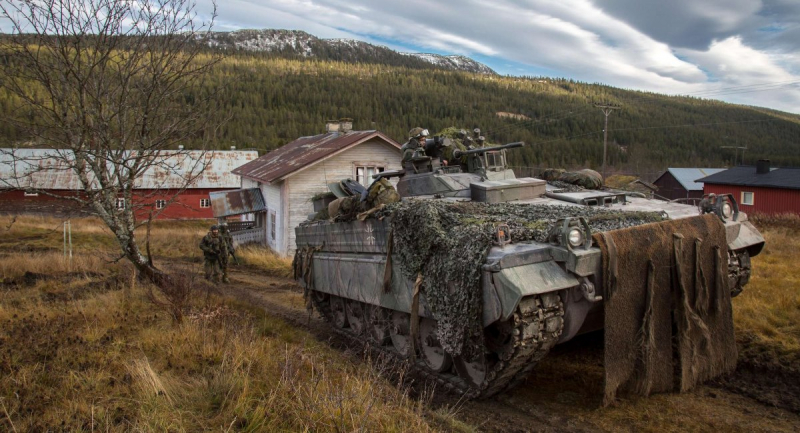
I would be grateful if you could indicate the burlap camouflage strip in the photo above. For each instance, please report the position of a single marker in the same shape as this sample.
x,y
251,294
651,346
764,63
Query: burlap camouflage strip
x,y
657,272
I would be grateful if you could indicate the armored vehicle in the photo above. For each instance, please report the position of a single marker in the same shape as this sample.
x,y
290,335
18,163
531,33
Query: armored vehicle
x,y
533,293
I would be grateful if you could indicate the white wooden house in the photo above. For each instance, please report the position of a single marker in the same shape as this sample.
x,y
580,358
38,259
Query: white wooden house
x,y
289,176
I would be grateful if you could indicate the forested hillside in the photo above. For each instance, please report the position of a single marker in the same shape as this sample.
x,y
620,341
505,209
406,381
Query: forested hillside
x,y
271,101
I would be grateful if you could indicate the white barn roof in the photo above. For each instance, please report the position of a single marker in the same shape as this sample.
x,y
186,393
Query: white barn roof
x,y
48,169
687,176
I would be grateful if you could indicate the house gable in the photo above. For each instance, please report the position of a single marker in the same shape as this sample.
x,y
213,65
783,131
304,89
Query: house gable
x,y
303,184
306,152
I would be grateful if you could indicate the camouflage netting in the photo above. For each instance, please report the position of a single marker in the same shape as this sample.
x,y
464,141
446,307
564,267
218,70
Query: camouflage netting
x,y
586,178
572,181
449,241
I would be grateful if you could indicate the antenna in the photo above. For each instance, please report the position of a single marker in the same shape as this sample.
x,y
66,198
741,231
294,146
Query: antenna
x,y
735,152
607,109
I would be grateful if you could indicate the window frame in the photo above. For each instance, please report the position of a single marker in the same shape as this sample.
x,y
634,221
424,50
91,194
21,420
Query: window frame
x,y
752,198
120,204
161,204
273,225
30,194
205,203
377,167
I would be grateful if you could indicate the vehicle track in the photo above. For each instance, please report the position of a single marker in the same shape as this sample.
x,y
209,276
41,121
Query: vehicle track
x,y
487,414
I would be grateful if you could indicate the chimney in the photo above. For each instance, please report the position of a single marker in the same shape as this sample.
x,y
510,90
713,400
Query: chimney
x,y
331,126
762,166
345,125
233,147
180,147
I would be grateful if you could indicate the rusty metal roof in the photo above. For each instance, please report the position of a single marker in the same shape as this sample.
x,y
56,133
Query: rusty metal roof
x,y
304,152
236,202
176,168
50,169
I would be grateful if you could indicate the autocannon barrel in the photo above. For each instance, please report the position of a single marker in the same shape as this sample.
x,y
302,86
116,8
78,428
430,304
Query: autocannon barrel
x,y
460,153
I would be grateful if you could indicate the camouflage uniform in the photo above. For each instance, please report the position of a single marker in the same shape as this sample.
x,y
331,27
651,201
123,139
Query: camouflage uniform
x,y
214,248
413,145
226,236
448,153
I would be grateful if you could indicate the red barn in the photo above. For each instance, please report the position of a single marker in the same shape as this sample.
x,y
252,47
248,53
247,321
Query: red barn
x,y
39,180
678,183
758,189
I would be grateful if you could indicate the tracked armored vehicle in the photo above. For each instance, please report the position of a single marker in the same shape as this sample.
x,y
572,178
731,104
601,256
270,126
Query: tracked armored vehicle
x,y
533,293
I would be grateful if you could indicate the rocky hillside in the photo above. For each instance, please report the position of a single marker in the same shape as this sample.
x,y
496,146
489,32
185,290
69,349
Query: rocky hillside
x,y
457,63
299,44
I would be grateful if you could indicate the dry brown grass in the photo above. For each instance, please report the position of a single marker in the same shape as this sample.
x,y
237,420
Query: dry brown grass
x,y
48,263
116,364
169,239
266,260
619,181
82,349
767,313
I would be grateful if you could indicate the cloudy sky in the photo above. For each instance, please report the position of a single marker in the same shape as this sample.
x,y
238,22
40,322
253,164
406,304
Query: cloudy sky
x,y
741,51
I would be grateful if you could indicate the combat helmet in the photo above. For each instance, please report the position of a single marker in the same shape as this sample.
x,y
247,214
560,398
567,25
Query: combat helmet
x,y
418,132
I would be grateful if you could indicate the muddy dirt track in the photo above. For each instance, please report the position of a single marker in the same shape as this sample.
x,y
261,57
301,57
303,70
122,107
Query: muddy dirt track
x,y
565,391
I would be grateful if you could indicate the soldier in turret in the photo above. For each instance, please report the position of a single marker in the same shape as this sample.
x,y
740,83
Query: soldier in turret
x,y
214,248
415,146
476,133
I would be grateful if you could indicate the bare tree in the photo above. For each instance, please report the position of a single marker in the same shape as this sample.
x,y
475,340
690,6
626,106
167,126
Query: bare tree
x,y
111,86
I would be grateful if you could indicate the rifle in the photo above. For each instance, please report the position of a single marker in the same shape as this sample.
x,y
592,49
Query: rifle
x,y
235,260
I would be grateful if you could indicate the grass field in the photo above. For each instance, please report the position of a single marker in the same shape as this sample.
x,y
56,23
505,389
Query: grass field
x,y
82,348
767,313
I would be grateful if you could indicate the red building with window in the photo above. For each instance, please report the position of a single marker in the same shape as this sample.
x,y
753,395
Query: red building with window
x,y
42,183
759,189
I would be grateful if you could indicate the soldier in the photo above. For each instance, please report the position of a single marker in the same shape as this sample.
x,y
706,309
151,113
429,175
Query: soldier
x,y
458,144
214,248
465,140
226,236
476,133
415,144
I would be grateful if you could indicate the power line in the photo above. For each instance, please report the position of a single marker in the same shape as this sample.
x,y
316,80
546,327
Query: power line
x,y
607,109
691,124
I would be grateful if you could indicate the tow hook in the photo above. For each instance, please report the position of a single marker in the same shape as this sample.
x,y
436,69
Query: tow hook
x,y
587,288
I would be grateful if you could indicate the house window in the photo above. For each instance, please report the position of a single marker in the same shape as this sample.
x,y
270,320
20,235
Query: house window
x,y
272,226
120,204
161,204
364,173
747,198
31,194
205,202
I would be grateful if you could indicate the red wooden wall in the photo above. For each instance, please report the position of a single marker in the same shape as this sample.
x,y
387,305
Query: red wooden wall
x,y
765,200
185,206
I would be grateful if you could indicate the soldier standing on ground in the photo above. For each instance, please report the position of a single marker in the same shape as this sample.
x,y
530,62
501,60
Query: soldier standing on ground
x,y
415,144
214,248
226,236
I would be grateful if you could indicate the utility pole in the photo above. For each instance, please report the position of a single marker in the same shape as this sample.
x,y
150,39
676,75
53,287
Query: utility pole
x,y
607,109
736,152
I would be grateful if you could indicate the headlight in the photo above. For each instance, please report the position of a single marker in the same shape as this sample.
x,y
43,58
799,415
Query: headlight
x,y
727,210
575,237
